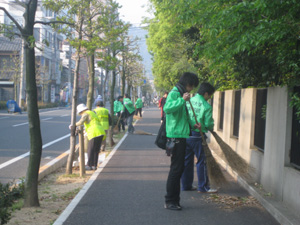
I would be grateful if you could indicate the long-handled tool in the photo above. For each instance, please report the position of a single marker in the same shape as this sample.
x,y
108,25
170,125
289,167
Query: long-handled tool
x,y
116,128
213,168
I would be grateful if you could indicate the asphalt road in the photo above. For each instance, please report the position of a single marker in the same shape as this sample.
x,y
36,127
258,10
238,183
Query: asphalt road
x,y
15,143
130,190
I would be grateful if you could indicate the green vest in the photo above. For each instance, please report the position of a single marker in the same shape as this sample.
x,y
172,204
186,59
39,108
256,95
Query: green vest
x,y
139,103
203,111
129,105
102,114
118,106
93,128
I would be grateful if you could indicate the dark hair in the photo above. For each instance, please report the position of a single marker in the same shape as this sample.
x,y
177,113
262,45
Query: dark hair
x,y
127,95
120,97
190,79
206,87
100,103
166,92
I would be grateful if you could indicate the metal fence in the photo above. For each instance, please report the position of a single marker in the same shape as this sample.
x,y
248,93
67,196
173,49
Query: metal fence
x,y
295,147
221,120
260,119
236,113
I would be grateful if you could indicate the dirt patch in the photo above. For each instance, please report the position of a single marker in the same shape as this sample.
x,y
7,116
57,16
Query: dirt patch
x,y
229,202
56,191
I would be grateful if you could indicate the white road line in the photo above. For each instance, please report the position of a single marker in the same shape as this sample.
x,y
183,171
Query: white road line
x,y
47,119
64,115
50,111
14,160
20,124
4,118
27,153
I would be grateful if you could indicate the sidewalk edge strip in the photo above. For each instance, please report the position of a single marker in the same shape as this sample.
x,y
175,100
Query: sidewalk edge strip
x,y
66,213
278,215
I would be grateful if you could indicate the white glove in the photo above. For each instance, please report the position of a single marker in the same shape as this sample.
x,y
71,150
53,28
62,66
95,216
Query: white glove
x,y
70,126
121,111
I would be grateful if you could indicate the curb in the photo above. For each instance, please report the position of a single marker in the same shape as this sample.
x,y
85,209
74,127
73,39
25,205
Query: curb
x,y
280,212
53,165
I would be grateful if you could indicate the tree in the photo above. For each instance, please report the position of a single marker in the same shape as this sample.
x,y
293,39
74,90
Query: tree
x,y
237,43
26,32
75,15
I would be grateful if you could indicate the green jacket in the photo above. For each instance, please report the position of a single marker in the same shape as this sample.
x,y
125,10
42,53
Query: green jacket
x,y
139,103
177,120
203,111
129,105
103,116
118,106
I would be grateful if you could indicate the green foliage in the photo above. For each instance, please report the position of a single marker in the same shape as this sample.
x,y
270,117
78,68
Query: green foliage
x,y
233,44
2,105
9,195
295,102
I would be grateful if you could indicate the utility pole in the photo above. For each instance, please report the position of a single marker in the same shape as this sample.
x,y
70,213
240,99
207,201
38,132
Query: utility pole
x,y
22,75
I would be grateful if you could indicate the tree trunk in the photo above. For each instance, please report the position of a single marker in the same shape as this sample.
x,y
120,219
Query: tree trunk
x,y
123,78
104,87
112,91
91,70
31,183
74,101
129,89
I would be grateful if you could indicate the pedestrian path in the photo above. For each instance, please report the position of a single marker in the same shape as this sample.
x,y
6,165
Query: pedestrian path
x,y
130,191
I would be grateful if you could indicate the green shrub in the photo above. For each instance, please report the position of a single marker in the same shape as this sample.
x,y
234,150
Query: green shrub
x,y
9,194
2,105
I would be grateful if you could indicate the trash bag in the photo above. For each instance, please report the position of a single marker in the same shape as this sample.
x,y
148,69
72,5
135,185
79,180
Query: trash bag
x,y
13,107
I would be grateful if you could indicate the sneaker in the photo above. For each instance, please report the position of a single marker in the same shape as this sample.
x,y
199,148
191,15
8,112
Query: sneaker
x,y
88,168
209,191
193,188
172,206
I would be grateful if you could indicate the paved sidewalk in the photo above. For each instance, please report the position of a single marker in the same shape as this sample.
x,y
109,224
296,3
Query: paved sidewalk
x,y
130,190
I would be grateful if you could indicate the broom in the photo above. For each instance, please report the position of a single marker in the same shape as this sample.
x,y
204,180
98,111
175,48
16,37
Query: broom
x,y
213,169
116,128
235,161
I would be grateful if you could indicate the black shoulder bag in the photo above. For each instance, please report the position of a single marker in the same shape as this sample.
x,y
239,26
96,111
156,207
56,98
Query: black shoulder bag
x,y
161,139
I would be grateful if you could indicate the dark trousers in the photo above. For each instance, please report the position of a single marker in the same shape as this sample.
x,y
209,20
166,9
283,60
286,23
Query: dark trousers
x,y
138,111
176,170
194,148
121,123
93,151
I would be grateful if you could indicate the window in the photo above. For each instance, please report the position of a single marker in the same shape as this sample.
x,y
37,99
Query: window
x,y
260,119
221,118
36,34
295,147
236,113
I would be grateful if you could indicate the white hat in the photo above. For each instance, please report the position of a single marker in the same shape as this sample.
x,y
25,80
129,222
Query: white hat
x,y
81,108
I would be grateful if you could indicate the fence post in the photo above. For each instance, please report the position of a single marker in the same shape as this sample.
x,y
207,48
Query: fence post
x,y
81,152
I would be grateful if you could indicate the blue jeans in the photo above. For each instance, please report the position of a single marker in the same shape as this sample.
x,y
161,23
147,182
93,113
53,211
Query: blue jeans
x,y
194,148
130,126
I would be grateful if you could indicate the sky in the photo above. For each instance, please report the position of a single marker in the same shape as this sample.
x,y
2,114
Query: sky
x,y
132,10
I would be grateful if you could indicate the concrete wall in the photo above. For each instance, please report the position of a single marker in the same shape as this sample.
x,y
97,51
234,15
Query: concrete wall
x,y
271,167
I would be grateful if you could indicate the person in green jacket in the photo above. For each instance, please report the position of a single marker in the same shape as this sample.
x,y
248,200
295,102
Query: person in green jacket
x,y
119,112
203,112
104,118
129,111
178,129
138,106
95,134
